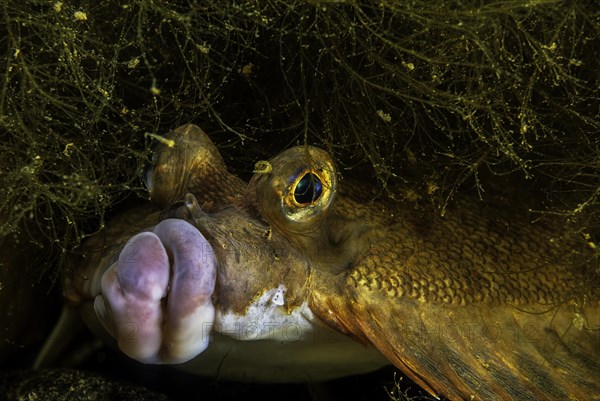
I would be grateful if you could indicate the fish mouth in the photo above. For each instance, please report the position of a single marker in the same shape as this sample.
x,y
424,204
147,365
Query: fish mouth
x,y
157,299
167,292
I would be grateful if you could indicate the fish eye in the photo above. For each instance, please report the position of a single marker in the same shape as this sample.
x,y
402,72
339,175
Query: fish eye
x,y
308,189
295,193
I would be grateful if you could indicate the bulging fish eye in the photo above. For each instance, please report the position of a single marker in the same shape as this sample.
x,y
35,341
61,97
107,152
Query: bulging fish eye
x,y
185,160
296,193
308,189
306,192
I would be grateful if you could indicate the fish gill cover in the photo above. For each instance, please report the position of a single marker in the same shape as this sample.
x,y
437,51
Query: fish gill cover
x,y
439,96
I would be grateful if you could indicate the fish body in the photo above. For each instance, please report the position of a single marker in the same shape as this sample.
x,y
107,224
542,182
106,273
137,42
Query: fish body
x,y
298,276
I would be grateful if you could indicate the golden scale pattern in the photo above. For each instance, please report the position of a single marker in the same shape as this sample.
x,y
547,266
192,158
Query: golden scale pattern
x,y
462,258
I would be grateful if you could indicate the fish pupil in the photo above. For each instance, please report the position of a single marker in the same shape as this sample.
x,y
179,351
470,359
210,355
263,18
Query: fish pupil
x,y
308,190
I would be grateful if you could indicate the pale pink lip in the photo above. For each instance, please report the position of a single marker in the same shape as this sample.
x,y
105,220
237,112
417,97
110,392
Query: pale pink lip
x,y
156,299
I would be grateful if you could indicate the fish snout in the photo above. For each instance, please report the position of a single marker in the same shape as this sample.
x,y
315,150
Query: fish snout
x,y
156,299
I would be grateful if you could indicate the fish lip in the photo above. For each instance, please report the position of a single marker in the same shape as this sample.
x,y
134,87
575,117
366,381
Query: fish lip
x,y
212,243
192,212
189,210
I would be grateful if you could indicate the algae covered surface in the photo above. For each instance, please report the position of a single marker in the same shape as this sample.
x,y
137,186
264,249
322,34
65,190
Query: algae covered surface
x,y
443,96
435,99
